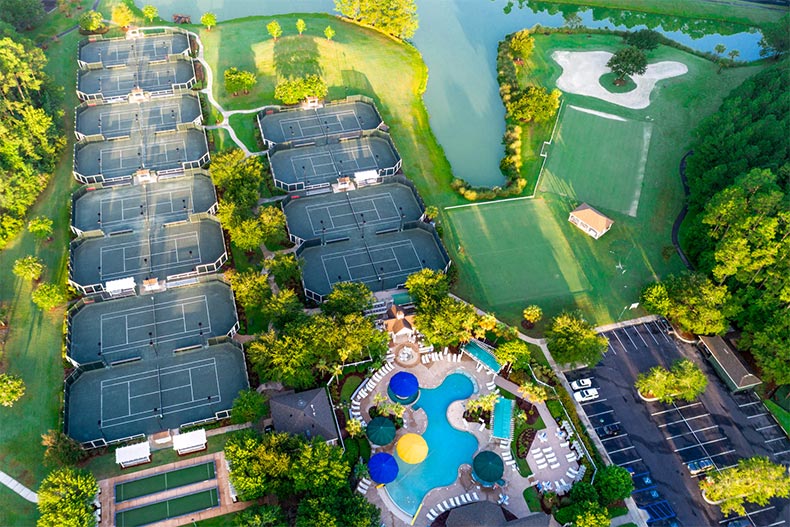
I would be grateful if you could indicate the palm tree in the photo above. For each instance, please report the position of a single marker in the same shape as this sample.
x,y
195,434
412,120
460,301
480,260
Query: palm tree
x,y
719,49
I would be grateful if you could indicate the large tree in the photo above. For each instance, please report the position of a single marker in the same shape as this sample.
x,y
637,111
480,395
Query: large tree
x,y
394,17
28,268
699,305
341,509
627,61
522,43
261,465
533,104
250,287
347,298
65,499
48,296
61,450
573,340
320,466
427,289
12,388
284,308
645,39
209,20
40,227
613,483
754,480
452,323
122,15
590,514
684,381
776,38
21,14
91,21
249,406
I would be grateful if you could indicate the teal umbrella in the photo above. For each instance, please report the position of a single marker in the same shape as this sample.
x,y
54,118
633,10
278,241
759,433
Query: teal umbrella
x,y
381,431
488,466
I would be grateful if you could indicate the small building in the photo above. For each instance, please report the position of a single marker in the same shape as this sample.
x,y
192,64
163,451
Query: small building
x,y
590,220
399,325
308,413
489,514
727,364
137,454
190,442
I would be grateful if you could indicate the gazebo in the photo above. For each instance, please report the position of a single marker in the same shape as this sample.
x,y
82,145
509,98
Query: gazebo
x,y
381,431
488,468
412,449
383,468
403,387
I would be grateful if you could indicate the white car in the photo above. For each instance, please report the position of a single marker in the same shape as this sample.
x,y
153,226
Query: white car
x,y
581,384
586,395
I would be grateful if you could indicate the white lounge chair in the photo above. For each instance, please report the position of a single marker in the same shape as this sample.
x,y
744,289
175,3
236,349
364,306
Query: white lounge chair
x,y
475,496
463,499
439,506
468,497
554,465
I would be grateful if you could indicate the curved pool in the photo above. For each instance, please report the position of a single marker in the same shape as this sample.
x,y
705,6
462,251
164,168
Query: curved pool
x,y
448,448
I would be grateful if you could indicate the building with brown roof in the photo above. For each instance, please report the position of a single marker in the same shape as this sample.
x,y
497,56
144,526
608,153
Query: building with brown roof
x,y
728,365
590,220
399,325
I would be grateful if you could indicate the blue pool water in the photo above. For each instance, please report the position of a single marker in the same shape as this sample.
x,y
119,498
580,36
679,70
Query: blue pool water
x,y
448,448
483,355
503,413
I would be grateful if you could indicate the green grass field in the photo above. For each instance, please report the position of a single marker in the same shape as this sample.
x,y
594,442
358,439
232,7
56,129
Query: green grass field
x,y
582,164
167,509
163,481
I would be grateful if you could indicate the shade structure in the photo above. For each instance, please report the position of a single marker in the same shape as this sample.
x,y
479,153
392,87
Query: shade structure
x,y
412,449
488,466
404,384
383,468
381,431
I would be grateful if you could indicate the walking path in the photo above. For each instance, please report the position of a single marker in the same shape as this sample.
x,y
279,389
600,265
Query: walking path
x,y
17,487
683,211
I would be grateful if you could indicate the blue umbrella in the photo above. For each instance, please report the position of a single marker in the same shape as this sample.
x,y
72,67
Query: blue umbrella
x,y
383,468
404,384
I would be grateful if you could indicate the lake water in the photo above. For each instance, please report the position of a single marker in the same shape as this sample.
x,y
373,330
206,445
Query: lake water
x,y
458,39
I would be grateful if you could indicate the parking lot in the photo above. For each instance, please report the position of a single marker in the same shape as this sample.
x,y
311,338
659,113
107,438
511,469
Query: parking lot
x,y
657,442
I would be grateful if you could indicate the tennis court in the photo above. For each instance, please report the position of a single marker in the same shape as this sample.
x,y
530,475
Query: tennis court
x,y
335,119
152,252
163,481
125,207
340,215
582,165
151,325
121,158
147,396
125,52
172,508
122,119
309,166
381,261
118,82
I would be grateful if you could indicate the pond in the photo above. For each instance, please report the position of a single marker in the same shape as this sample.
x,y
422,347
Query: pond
x,y
458,39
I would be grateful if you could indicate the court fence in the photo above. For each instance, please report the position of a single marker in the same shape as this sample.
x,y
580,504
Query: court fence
x,y
195,124
140,33
175,88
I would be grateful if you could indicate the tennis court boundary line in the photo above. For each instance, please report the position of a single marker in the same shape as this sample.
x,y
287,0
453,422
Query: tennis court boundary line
x,y
489,202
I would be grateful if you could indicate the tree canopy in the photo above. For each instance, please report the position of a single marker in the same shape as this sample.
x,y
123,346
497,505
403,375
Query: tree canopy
x,y
28,268
61,450
209,20
40,227
150,12
21,14
12,388
522,43
451,323
393,17
753,480
613,483
291,91
274,29
645,39
347,298
122,15
237,80
48,296
300,26
533,104
91,21
628,61
685,381
427,289
250,287
65,499
248,407
573,340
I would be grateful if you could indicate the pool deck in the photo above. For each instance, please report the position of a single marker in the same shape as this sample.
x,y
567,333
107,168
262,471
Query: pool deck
x,y
431,375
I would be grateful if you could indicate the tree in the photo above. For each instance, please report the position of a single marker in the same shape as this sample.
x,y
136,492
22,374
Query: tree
x,y
91,21
122,15
329,33
393,17
248,407
627,61
300,26
150,12
61,449
655,299
573,340
513,352
532,314
536,393
12,388
320,466
427,289
285,270
347,298
28,268
754,480
209,20
645,39
343,508
261,465
247,80
354,428
431,212
293,91
21,14
261,516
733,54
47,296
40,227
699,305
591,514
776,38
233,82
685,380
274,29
482,403
272,220
534,104
246,234
613,483
250,287
690,380
582,491
65,499
283,308
522,43
451,324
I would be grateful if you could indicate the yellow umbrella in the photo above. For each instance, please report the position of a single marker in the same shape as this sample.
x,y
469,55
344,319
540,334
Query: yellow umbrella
x,y
412,449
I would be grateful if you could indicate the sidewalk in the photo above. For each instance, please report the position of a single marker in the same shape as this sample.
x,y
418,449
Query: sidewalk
x,y
17,487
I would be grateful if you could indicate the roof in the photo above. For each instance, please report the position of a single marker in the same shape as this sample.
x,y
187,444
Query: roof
x,y
189,440
592,217
126,454
489,514
305,413
395,323
730,363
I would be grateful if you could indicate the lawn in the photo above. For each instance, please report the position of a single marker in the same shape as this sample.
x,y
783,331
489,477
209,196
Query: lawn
x,y
245,125
532,499
521,252
782,415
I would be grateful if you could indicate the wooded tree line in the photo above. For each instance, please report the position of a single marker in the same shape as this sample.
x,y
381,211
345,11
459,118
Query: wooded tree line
x,y
739,232
30,138
393,17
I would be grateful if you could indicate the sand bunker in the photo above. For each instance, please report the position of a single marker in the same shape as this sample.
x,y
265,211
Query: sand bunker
x,y
582,69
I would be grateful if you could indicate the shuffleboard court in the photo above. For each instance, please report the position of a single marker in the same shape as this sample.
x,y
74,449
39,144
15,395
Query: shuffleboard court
x,y
163,481
124,207
123,119
172,508
336,119
151,325
582,165
309,166
144,149
152,252
340,215
119,82
120,52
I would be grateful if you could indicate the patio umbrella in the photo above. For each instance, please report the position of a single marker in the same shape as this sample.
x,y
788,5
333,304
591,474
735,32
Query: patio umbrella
x,y
488,466
381,431
412,448
404,384
383,468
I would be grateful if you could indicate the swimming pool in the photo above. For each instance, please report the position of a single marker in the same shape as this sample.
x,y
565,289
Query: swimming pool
x,y
503,417
482,354
448,448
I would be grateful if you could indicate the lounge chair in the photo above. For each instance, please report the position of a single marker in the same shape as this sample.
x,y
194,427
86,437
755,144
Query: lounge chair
x,y
554,465
468,497
439,506
475,496
463,499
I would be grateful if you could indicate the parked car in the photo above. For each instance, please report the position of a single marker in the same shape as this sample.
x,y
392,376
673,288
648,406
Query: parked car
x,y
581,384
740,522
609,430
586,395
697,467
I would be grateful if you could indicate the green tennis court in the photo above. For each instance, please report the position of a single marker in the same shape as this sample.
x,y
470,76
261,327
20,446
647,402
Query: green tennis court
x,y
164,481
583,163
164,510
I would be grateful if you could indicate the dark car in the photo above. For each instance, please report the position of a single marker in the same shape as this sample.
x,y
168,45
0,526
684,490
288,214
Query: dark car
x,y
610,430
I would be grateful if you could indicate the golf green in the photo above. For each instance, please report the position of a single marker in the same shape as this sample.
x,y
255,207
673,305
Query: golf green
x,y
164,481
163,510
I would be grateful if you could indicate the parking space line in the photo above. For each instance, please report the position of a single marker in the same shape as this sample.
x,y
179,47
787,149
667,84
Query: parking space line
x,y
780,453
692,431
625,330
600,413
685,419
620,341
700,444
677,408
605,439
774,439
758,415
774,524
629,462
749,404
622,449
652,336
767,427
593,401
640,336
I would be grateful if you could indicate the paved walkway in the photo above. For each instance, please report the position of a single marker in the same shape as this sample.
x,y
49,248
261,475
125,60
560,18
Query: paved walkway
x,y
17,487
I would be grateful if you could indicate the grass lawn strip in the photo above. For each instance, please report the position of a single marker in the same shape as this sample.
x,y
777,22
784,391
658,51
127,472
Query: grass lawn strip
x,y
164,481
782,415
167,509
